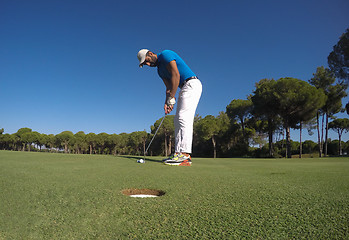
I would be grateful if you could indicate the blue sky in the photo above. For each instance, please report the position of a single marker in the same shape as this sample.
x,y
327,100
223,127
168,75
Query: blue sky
x,y
72,65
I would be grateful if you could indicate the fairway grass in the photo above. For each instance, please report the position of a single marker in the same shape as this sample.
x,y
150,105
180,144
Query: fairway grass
x,y
63,196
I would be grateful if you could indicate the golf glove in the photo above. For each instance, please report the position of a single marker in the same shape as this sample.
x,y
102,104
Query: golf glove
x,y
171,101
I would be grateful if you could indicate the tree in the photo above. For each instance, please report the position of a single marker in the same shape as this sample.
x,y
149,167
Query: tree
x,y
144,137
324,79
211,127
334,104
224,125
240,109
28,138
101,141
312,100
114,143
122,146
7,141
137,142
340,125
297,101
338,60
309,146
261,129
37,139
64,139
209,130
80,142
49,141
91,140
265,105
22,138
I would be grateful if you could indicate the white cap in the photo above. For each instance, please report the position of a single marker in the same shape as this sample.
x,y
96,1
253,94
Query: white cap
x,y
141,56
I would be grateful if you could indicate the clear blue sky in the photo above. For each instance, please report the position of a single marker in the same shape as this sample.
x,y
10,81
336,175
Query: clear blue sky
x,y
72,65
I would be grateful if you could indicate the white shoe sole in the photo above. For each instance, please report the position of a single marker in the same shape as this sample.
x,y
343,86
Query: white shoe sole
x,y
177,164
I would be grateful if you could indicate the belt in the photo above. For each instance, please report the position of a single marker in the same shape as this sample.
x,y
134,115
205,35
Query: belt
x,y
186,80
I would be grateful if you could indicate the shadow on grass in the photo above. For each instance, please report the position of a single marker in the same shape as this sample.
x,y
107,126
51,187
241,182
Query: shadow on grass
x,y
135,158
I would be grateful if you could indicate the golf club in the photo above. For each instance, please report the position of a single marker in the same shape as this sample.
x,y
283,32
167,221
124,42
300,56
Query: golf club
x,y
154,136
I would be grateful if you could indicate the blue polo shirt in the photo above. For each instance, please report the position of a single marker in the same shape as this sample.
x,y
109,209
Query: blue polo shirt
x,y
167,56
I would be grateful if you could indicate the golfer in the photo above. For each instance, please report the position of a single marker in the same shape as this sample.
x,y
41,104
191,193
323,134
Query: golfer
x,y
176,73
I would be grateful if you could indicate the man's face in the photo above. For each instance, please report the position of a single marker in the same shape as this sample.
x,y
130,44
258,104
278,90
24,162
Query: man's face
x,y
151,60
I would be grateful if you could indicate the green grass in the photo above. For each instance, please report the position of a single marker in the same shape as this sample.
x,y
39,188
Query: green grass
x,y
59,196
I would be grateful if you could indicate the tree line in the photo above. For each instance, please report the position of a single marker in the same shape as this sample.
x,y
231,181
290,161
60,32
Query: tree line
x,y
274,107
258,126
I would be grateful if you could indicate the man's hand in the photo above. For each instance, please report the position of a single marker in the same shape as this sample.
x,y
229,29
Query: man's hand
x,y
170,101
168,108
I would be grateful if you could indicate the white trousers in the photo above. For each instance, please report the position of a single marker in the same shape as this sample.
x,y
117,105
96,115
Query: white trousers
x,y
188,99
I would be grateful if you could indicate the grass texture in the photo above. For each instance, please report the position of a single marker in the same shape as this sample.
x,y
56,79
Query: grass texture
x,y
62,196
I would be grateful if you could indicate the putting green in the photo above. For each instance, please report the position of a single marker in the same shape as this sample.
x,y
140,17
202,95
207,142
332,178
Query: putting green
x,y
66,196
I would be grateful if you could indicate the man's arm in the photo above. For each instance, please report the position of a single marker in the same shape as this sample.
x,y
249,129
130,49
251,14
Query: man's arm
x,y
171,84
174,81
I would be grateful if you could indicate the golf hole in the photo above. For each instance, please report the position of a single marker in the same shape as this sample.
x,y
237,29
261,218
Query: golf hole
x,y
142,193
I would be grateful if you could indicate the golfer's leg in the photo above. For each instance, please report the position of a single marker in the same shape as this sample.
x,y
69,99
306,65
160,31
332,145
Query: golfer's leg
x,y
188,100
177,126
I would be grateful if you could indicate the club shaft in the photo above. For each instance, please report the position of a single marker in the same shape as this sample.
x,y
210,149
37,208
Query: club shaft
x,y
154,135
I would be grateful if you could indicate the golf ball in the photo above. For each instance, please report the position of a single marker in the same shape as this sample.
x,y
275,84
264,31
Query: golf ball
x,y
141,160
